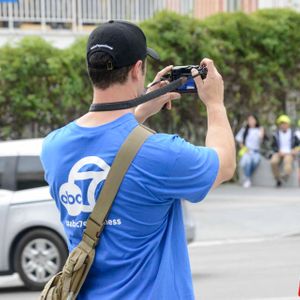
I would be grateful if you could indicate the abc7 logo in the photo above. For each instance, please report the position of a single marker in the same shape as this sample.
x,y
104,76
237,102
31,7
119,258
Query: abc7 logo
x,y
71,195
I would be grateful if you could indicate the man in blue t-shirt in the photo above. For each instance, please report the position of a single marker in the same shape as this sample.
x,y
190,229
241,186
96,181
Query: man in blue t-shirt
x,y
142,253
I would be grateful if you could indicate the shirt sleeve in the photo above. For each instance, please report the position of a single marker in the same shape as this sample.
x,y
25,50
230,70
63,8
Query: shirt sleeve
x,y
239,136
193,172
44,157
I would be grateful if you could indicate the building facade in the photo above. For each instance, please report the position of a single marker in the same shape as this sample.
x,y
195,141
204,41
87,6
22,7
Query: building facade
x,y
295,4
76,15
206,8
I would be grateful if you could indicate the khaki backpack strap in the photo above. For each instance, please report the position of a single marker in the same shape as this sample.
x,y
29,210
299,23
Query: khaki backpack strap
x,y
125,156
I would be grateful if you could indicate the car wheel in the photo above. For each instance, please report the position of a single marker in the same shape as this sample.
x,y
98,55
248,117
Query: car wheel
x,y
39,255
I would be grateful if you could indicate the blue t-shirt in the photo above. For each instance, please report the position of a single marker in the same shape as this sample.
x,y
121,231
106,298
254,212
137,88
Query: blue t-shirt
x,y
142,252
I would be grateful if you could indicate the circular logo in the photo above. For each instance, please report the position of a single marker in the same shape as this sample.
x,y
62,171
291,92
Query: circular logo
x,y
70,194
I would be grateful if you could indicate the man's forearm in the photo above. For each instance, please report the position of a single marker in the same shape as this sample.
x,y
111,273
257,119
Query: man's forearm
x,y
140,117
220,137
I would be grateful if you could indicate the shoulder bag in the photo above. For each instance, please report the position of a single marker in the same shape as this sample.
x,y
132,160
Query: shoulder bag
x,y
66,284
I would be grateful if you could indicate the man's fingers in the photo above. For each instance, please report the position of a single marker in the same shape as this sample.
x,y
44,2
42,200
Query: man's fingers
x,y
163,72
197,79
207,63
158,85
169,105
168,98
211,69
174,96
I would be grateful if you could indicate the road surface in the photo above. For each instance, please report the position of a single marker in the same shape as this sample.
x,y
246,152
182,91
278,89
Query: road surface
x,y
247,247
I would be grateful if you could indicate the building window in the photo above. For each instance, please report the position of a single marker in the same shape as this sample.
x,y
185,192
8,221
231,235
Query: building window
x,y
233,5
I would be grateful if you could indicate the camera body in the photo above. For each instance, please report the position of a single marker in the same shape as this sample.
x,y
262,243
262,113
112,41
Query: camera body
x,y
185,71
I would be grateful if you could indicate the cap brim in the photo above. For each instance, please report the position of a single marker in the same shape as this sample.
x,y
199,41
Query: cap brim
x,y
152,53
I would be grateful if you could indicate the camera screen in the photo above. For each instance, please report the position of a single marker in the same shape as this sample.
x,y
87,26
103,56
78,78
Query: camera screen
x,y
188,87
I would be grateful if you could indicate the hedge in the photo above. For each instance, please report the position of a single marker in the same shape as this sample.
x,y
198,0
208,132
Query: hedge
x,y
43,88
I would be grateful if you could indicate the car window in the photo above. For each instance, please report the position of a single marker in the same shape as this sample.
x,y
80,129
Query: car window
x,y
2,168
7,172
30,173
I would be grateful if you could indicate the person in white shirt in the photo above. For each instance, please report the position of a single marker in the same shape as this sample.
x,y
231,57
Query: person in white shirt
x,y
285,142
249,139
298,149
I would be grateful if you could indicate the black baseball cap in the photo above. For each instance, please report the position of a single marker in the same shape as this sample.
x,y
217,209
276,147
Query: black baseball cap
x,y
123,41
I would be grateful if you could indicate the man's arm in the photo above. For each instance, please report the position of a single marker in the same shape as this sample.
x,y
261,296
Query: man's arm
x,y
219,134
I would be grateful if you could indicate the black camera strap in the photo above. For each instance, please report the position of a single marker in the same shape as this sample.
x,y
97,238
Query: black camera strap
x,y
108,106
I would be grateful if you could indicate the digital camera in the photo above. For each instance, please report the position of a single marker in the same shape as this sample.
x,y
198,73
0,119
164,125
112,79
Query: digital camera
x,y
185,71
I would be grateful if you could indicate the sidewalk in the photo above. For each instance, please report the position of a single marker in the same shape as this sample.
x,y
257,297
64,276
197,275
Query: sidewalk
x,y
237,192
232,214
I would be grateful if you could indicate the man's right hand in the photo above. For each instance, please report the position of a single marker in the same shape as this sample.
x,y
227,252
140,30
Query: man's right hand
x,y
211,89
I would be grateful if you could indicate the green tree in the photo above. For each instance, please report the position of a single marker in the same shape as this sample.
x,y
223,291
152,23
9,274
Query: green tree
x,y
43,88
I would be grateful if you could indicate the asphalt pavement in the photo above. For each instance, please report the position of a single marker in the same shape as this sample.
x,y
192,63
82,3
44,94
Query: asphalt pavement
x,y
247,246
232,212
262,270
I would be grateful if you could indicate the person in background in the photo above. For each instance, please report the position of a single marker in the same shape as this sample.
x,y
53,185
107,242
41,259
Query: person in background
x,y
284,146
298,149
249,138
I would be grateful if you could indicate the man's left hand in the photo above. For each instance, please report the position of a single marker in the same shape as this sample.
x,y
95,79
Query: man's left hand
x,y
150,108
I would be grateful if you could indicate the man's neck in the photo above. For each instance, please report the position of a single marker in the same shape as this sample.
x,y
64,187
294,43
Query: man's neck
x,y
115,93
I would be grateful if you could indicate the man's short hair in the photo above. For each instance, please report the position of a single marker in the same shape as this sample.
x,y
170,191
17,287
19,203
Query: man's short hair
x,y
101,76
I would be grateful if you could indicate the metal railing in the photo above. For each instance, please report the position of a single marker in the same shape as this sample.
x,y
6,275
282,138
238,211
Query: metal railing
x,y
74,14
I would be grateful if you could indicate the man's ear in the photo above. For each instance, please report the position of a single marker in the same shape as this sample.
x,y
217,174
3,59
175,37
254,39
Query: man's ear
x,y
136,71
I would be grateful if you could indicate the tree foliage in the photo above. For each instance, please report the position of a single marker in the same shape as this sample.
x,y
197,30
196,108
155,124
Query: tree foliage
x,y
42,88
258,56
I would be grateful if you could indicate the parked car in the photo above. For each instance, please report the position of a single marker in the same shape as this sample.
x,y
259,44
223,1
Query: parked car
x,y
33,240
